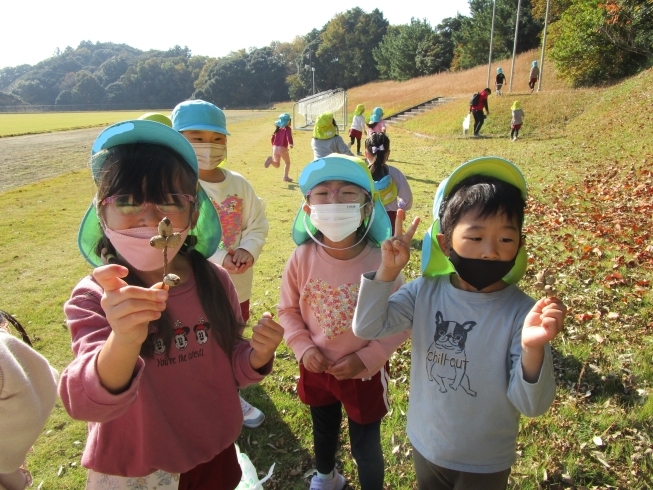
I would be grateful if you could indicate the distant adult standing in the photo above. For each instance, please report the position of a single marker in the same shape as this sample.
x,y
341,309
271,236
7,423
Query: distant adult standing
x,y
476,106
500,80
535,74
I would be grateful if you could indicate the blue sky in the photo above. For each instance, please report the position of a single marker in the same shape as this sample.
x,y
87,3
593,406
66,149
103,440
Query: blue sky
x,y
32,31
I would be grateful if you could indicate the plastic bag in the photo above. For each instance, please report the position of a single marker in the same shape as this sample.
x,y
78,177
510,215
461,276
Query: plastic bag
x,y
466,123
249,480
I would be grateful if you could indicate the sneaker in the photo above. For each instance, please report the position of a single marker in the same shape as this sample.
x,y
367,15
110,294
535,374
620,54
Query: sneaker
x,y
476,135
252,416
514,138
287,179
359,153
267,163
338,482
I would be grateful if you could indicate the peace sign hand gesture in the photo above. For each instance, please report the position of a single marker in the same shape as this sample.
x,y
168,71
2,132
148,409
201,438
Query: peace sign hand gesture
x,y
395,252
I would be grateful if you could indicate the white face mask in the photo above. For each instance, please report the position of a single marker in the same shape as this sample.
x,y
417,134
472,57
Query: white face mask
x,y
209,155
336,221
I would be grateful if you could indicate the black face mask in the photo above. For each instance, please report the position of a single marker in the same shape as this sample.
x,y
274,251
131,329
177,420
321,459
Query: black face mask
x,y
480,273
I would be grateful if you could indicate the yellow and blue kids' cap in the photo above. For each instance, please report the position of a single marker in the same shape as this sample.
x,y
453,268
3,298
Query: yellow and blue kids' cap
x,y
207,230
199,115
349,169
155,116
324,128
434,261
360,108
377,115
516,105
283,120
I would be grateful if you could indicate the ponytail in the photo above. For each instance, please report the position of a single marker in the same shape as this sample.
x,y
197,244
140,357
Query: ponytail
x,y
377,146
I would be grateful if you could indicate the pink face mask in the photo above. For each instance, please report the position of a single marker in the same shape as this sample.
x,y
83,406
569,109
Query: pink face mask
x,y
133,245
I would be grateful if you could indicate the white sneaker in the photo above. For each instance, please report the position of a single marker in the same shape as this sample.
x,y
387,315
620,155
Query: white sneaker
x,y
252,416
338,482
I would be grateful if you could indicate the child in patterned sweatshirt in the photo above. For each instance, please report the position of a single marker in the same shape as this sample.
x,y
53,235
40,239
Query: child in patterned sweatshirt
x,y
241,211
338,230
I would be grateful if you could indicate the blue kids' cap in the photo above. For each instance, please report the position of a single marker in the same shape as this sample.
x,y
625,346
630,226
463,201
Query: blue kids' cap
x,y
283,120
535,63
377,115
499,70
349,169
155,116
207,230
434,261
199,115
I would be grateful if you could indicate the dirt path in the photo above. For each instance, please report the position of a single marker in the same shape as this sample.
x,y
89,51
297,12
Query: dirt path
x,y
28,159
31,158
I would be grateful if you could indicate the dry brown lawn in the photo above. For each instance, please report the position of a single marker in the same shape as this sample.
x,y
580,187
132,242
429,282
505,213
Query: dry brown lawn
x,y
395,96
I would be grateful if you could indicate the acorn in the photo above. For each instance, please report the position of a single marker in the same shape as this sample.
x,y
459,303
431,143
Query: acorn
x,y
166,238
544,281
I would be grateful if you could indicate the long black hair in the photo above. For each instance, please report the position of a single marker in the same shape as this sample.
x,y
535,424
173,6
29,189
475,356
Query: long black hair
x,y
148,173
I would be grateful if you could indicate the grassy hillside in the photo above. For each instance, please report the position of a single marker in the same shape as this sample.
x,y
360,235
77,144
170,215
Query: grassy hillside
x,y
588,158
394,96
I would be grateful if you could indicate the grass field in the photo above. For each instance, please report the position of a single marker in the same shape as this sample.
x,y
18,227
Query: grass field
x,y
19,124
588,159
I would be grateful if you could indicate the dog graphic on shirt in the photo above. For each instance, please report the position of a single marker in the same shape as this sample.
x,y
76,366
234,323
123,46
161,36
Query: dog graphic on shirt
x,y
446,361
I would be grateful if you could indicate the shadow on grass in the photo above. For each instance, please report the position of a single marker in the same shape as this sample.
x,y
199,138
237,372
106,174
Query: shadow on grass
x,y
586,380
424,181
275,441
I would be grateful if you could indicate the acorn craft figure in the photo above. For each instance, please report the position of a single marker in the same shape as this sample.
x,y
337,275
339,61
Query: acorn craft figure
x,y
545,281
166,238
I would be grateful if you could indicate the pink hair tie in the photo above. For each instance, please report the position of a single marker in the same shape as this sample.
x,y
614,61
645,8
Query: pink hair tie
x,y
375,148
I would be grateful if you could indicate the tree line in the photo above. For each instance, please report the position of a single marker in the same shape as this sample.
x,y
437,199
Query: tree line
x,y
590,41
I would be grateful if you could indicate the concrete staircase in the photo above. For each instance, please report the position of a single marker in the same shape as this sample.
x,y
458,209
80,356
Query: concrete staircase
x,y
418,109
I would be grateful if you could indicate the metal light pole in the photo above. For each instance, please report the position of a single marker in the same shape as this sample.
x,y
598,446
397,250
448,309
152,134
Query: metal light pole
x,y
489,65
313,70
546,23
514,47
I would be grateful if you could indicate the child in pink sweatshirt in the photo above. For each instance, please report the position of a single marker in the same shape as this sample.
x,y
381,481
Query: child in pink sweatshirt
x,y
338,230
281,139
157,368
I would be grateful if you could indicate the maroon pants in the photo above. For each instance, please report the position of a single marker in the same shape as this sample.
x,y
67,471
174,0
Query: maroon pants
x,y
393,216
221,473
244,310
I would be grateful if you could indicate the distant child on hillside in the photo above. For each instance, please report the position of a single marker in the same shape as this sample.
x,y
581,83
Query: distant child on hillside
x,y
389,182
157,368
500,80
534,75
241,211
480,349
376,124
326,139
338,231
517,120
357,127
281,139
28,392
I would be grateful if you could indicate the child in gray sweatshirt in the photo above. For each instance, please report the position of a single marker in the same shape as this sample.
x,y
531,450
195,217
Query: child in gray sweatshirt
x,y
480,346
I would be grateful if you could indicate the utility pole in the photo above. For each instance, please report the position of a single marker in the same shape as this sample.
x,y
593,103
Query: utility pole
x,y
489,65
313,69
514,46
546,23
